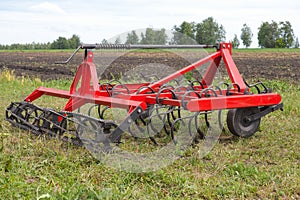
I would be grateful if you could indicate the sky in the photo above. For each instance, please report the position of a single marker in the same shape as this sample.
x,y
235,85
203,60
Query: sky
x,y
44,21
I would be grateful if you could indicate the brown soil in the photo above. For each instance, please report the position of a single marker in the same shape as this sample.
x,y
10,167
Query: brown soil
x,y
254,66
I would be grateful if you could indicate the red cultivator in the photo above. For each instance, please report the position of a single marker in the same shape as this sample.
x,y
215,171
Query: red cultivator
x,y
146,101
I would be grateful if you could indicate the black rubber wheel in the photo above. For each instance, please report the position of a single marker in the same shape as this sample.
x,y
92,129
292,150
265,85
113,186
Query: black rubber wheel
x,y
239,125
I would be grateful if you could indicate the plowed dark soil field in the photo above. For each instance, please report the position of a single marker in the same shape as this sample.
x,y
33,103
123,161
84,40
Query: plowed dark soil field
x,y
252,65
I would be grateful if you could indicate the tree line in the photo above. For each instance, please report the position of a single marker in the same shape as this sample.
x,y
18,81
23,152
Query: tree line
x,y
270,35
59,43
208,31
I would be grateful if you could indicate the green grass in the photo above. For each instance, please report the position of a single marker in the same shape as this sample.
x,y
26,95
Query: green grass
x,y
264,166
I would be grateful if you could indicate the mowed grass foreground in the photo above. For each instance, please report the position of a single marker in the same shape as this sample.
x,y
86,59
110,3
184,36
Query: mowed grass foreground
x,y
264,166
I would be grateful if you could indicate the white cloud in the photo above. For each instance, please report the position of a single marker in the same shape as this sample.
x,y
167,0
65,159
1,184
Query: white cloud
x,y
48,8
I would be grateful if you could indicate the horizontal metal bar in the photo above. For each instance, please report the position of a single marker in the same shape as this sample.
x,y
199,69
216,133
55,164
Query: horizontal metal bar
x,y
236,101
264,111
101,100
143,46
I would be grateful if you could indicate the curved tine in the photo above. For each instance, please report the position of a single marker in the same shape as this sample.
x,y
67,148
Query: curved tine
x,y
114,80
132,133
169,120
183,104
228,89
145,86
173,129
102,112
150,125
201,134
151,137
263,85
106,88
165,89
257,89
218,88
206,119
256,86
170,109
171,114
163,119
177,82
153,140
196,81
220,120
223,83
138,125
237,85
91,108
190,122
143,121
232,85
149,131
167,86
178,112
99,110
122,85
205,92
158,113
167,115
266,90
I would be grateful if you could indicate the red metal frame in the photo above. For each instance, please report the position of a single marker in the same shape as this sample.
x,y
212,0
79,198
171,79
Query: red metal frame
x,y
85,88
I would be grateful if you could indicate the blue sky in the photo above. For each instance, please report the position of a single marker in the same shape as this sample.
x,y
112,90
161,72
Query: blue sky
x,y
44,21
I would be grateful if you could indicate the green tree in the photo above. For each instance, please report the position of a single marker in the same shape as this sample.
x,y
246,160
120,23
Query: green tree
x,y
279,43
60,43
235,42
286,33
184,34
132,38
246,35
104,41
186,28
209,32
154,36
296,45
118,40
268,34
74,41
222,34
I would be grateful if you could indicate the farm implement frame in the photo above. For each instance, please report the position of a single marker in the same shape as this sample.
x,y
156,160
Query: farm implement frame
x,y
246,104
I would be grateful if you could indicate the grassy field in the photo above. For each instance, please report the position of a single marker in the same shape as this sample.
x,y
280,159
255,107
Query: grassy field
x,y
265,166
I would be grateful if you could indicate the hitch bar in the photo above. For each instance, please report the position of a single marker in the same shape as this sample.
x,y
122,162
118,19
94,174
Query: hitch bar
x,y
265,110
133,46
